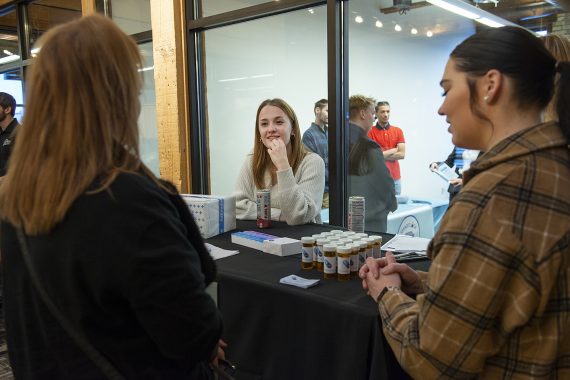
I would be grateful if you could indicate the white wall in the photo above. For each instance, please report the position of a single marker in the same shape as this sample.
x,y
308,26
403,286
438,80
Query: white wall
x,y
285,56
406,72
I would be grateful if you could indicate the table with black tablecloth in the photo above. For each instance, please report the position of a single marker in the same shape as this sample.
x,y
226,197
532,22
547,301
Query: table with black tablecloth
x,y
276,331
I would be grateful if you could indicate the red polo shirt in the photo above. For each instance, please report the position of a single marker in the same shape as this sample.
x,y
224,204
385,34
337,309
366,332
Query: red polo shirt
x,y
388,138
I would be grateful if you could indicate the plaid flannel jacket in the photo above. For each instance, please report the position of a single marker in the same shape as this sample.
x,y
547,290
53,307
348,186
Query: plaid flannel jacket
x,y
497,299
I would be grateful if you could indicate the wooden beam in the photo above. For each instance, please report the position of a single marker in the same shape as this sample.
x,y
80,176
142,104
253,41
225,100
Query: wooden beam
x,y
171,82
87,7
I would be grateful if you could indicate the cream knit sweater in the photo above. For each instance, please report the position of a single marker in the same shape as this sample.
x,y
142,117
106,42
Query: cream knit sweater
x,y
295,199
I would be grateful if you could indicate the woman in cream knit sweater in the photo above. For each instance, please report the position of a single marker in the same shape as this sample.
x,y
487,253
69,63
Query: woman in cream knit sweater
x,y
280,163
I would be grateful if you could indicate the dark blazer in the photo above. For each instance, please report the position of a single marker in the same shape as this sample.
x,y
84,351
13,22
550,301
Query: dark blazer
x,y
126,267
369,177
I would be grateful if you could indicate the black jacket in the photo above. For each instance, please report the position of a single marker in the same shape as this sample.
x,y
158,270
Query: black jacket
x,y
124,267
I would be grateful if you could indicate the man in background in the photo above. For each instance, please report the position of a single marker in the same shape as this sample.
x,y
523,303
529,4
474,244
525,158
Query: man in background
x,y
391,141
368,175
8,126
316,140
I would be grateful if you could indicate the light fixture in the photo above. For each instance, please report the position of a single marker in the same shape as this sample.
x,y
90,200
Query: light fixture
x,y
10,58
414,31
429,33
454,8
467,10
149,68
397,28
489,22
359,19
379,24
542,33
311,11
7,52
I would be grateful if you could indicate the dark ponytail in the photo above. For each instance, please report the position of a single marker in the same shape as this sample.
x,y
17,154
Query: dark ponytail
x,y
562,106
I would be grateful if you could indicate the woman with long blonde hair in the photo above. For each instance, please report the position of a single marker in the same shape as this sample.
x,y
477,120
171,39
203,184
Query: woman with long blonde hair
x,y
104,272
280,163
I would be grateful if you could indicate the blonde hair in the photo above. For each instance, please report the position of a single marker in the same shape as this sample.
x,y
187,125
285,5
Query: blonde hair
x,y
261,162
356,103
559,47
80,123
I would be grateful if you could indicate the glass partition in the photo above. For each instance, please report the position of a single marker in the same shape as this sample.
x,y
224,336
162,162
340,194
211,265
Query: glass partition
x,y
275,57
397,54
43,14
11,83
210,8
9,42
133,16
148,133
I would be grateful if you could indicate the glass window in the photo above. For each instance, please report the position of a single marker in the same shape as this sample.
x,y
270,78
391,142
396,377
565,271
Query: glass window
x,y
210,8
11,83
399,58
246,64
43,14
133,16
9,42
148,133
398,54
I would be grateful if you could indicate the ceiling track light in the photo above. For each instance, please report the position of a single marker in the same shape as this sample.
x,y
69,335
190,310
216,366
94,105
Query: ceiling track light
x,y
469,11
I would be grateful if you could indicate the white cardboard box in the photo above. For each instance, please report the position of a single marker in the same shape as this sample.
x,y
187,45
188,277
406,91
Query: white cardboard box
x,y
213,214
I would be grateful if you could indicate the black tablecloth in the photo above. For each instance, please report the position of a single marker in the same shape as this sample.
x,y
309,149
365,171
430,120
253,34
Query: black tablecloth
x,y
276,331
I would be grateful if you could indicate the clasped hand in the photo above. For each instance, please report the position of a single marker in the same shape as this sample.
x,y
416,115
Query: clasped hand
x,y
278,153
376,274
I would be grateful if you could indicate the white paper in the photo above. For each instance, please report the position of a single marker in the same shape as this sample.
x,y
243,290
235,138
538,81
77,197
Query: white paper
x,y
445,172
219,253
405,243
298,281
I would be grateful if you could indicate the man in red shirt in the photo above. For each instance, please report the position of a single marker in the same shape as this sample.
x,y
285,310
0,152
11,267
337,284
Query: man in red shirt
x,y
391,141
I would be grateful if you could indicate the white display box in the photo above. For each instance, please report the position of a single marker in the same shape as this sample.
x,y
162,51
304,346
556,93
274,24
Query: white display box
x,y
213,214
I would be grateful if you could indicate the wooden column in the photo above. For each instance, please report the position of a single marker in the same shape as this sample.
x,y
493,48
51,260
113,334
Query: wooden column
x,y
170,77
87,7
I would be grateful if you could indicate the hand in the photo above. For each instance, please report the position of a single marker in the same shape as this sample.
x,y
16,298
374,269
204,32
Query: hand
x,y
220,354
372,266
456,182
375,285
278,153
411,281
433,166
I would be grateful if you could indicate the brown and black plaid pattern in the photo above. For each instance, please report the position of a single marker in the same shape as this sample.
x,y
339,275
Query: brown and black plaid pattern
x,y
497,303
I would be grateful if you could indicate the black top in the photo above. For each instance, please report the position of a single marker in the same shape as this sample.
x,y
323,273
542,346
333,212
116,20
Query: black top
x,y
122,270
6,144
369,177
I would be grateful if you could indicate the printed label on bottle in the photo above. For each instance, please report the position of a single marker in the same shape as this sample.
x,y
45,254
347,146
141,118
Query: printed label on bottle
x,y
307,254
319,252
330,264
343,265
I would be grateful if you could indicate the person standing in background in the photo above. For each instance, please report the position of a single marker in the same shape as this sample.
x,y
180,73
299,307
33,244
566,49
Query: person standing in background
x,y
460,159
316,139
9,126
391,141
